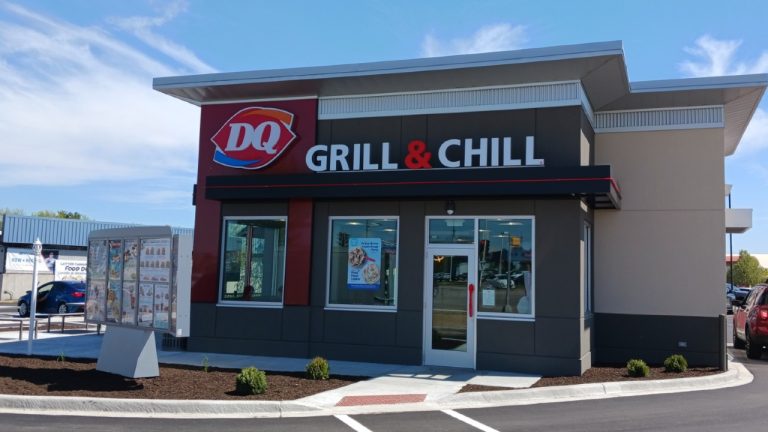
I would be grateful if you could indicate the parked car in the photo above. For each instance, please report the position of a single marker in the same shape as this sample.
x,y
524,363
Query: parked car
x,y
750,322
741,293
55,297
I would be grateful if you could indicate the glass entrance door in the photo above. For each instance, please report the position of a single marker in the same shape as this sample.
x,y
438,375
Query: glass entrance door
x,y
451,305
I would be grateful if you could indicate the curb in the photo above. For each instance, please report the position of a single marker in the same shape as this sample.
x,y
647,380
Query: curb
x,y
737,375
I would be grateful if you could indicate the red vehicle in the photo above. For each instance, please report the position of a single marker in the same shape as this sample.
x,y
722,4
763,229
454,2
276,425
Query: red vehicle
x,y
750,322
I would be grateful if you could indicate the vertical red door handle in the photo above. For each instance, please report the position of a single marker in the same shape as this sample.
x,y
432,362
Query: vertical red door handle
x,y
471,291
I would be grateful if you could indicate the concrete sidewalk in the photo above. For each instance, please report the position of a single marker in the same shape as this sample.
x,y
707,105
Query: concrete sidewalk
x,y
392,388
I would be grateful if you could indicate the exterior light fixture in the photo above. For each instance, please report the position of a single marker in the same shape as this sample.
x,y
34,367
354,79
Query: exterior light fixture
x,y
450,207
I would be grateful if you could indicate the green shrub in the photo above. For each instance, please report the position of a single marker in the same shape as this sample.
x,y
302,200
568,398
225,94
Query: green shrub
x,y
251,381
675,363
637,368
317,369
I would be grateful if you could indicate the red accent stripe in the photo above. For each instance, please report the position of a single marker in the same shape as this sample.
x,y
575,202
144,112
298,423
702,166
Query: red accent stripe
x,y
423,182
298,252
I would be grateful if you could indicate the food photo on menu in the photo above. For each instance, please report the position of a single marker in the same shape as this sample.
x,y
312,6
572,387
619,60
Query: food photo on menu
x,y
146,294
129,303
115,259
162,301
114,302
94,306
97,259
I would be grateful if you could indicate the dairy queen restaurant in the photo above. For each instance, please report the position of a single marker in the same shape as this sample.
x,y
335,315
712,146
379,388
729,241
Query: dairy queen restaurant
x,y
530,211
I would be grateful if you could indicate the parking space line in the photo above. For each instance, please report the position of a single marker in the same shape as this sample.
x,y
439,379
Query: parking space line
x,y
354,424
469,421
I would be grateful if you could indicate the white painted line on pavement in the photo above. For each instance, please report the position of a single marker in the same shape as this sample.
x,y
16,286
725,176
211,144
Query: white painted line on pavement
x,y
469,421
349,421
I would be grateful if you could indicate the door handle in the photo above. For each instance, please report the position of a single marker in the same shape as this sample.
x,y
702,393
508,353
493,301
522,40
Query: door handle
x,y
471,289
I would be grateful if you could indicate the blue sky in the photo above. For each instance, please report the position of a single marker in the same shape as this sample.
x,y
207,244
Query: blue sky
x,y
82,129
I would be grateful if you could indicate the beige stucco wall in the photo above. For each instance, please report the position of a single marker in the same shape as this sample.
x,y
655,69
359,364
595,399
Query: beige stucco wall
x,y
661,253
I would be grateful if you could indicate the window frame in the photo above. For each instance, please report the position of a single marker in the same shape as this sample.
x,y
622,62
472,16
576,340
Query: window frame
x,y
499,316
245,303
588,276
360,308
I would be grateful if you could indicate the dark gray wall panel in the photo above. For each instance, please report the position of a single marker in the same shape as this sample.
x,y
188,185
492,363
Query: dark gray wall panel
x,y
505,337
551,366
411,257
557,136
558,337
619,337
296,323
249,323
360,328
367,353
202,319
319,267
558,268
249,347
316,319
409,329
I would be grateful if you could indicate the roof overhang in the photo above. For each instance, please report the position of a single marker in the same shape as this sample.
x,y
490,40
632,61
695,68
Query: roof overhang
x,y
600,67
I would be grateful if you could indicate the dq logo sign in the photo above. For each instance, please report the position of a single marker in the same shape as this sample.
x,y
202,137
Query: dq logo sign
x,y
253,138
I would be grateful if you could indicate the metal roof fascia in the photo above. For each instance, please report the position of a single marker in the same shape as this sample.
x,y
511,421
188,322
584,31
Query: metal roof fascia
x,y
707,83
563,52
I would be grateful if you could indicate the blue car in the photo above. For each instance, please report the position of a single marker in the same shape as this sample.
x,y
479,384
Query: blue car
x,y
55,297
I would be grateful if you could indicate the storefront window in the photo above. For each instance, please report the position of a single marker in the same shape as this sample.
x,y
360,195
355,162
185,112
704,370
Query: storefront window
x,y
254,260
505,257
451,231
363,263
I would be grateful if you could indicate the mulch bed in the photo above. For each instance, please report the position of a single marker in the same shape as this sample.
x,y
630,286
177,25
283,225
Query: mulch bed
x,y
22,375
603,373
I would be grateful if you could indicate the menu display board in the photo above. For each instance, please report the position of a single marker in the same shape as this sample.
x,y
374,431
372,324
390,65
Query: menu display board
x,y
132,278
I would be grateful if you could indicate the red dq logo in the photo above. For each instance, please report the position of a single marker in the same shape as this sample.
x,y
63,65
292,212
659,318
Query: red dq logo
x,y
253,138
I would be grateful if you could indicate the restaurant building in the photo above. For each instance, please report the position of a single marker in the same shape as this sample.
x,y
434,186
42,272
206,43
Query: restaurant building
x,y
529,210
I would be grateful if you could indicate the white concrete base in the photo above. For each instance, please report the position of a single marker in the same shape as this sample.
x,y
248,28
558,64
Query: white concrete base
x,y
129,352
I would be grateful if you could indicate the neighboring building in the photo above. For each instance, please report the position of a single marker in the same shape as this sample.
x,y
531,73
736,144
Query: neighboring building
x,y
528,210
65,245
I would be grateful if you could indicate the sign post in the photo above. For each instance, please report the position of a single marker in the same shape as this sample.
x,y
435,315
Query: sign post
x,y
37,247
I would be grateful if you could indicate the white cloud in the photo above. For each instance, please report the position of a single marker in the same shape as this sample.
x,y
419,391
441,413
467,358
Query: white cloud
x,y
77,107
718,57
141,27
756,136
496,37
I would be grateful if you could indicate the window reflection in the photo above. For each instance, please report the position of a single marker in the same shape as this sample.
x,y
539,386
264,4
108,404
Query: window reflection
x,y
504,265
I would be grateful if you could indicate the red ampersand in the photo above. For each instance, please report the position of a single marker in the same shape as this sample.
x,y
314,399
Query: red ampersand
x,y
417,158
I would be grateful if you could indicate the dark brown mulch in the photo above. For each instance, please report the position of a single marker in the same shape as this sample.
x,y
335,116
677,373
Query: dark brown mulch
x,y
602,374
24,375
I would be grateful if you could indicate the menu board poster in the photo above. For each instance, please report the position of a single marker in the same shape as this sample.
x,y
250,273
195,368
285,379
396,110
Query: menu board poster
x,y
130,260
97,259
162,306
146,298
130,303
363,269
114,303
94,305
115,259
155,262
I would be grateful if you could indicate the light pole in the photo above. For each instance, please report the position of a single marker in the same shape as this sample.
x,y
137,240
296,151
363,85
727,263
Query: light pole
x,y
37,247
